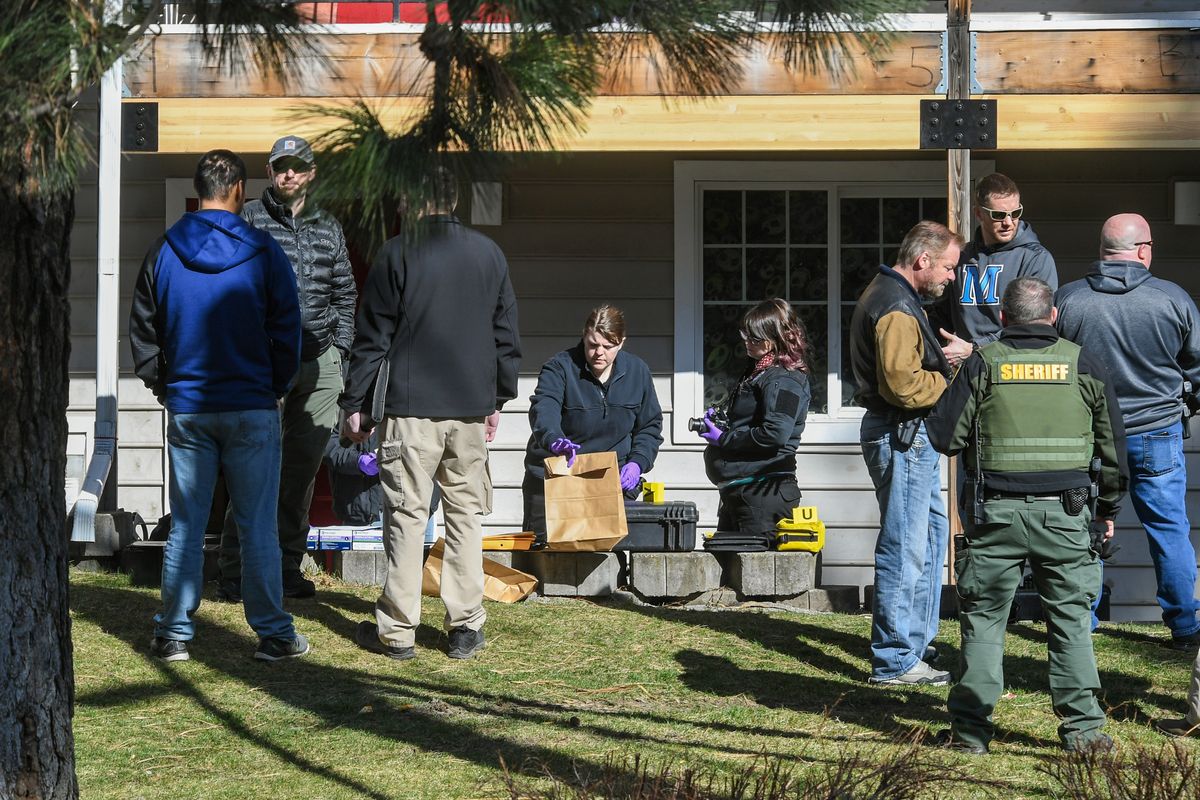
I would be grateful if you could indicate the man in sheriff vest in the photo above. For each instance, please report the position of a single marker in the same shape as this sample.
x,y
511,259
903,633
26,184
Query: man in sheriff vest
x,y
1030,412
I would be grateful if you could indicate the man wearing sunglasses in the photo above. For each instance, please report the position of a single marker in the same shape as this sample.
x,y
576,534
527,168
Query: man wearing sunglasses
x,y
1004,248
1146,330
316,248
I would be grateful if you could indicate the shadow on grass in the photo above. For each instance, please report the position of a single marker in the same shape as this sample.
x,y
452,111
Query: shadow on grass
x,y
424,714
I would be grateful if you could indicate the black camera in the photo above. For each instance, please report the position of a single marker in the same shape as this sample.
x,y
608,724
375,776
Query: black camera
x,y
718,417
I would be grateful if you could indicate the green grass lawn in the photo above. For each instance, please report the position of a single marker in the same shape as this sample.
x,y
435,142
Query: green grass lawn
x,y
562,686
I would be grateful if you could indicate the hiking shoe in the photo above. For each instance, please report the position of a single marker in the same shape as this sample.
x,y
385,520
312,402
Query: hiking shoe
x,y
464,642
920,675
947,740
229,590
366,636
169,649
1176,727
295,585
282,647
1100,743
1183,643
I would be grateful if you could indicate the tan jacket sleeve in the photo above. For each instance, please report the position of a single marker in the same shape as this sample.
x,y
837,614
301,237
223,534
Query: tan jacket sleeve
x,y
899,347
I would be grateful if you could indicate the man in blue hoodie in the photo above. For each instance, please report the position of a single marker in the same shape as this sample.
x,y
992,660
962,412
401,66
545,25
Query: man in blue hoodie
x,y
215,332
1003,249
1145,329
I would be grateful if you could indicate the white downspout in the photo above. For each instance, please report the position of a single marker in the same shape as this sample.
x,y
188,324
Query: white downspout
x,y
108,296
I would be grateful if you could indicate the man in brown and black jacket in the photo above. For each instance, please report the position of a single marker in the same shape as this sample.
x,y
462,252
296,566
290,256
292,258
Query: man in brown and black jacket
x,y
900,373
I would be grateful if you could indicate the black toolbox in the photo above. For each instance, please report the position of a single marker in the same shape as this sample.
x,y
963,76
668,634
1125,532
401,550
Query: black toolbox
x,y
659,527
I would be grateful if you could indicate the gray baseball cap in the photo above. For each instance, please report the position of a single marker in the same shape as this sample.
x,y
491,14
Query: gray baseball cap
x,y
292,147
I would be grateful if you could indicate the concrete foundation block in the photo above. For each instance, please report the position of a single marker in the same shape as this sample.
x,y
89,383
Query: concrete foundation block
x,y
795,572
833,599
752,574
571,574
689,574
648,574
504,557
365,567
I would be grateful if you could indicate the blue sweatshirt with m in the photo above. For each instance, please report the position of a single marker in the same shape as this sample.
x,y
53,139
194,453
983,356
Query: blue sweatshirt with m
x,y
215,322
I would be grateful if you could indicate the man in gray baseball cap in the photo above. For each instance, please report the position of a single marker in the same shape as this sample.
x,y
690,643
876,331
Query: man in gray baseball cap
x,y
314,243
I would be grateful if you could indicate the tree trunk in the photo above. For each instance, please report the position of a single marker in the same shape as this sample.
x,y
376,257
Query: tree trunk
x,y
37,751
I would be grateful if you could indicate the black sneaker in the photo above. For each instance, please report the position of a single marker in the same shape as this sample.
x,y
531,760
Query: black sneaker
x,y
169,649
464,642
1183,643
297,586
1176,727
280,648
229,590
366,636
947,740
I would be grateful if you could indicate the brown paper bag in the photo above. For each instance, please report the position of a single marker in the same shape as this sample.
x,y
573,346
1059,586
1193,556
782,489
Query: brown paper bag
x,y
500,583
585,510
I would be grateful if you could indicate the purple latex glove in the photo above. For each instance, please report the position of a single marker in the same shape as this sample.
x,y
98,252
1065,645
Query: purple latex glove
x,y
631,473
368,464
565,447
713,434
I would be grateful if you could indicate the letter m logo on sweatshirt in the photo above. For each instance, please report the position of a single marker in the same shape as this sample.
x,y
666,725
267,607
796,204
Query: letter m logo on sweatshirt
x,y
981,285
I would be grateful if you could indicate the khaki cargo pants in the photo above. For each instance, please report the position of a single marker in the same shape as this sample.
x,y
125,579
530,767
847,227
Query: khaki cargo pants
x,y
413,453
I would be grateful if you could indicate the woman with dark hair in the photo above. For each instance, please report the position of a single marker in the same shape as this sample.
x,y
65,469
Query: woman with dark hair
x,y
593,398
752,459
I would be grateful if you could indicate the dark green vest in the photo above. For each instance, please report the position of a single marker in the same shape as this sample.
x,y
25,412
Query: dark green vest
x,y
1032,416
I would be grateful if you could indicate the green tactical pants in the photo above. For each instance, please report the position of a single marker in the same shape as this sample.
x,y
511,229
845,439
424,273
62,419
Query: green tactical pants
x,y
1067,574
308,415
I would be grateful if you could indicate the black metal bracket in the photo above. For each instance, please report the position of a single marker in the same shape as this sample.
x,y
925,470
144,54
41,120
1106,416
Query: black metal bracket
x,y
139,127
958,124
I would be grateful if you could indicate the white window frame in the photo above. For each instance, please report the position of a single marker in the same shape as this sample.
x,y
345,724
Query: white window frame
x,y
841,179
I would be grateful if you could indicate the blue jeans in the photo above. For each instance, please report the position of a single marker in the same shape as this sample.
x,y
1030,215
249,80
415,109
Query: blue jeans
x,y
245,444
1157,484
911,549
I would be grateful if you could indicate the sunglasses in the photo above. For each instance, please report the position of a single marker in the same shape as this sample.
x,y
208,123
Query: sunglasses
x,y
997,215
748,339
298,165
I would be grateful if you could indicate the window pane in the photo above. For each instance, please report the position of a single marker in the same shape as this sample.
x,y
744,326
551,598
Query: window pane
x,y
860,220
899,214
765,218
766,274
859,266
809,212
807,275
723,273
848,386
934,208
815,323
722,217
724,354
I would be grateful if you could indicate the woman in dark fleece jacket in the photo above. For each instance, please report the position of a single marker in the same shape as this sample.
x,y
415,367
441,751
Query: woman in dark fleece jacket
x,y
593,398
753,460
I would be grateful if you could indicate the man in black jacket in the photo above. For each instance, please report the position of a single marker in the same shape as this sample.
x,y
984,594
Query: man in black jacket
x,y
316,247
436,347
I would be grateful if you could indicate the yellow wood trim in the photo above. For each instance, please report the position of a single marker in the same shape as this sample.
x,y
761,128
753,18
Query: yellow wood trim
x,y
745,123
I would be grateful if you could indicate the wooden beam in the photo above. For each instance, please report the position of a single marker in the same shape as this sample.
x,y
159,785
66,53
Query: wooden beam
x,y
391,64
1089,62
1025,62
753,124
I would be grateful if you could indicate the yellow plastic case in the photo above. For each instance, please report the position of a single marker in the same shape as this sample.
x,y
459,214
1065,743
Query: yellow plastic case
x,y
804,531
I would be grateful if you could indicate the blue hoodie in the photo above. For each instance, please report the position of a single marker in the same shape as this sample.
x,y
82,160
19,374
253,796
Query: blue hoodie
x,y
215,323
1145,330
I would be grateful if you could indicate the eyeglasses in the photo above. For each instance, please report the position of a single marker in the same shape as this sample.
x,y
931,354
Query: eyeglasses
x,y
748,339
998,215
1148,244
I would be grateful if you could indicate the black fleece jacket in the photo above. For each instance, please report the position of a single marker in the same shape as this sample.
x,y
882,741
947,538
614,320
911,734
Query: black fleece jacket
x,y
441,310
766,418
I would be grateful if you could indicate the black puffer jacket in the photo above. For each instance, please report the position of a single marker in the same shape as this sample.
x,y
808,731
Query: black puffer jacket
x,y
316,246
